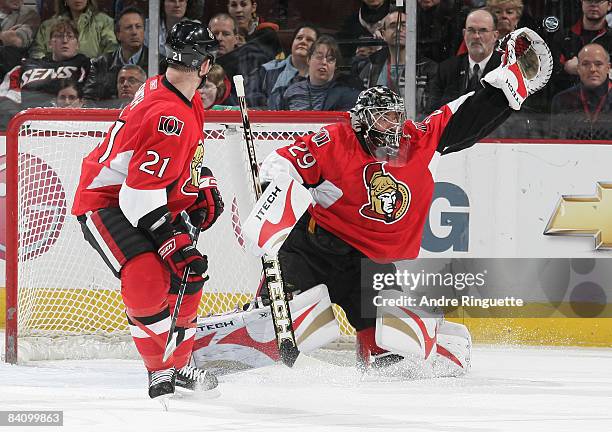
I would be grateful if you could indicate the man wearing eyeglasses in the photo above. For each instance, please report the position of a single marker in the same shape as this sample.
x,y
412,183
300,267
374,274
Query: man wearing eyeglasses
x,y
40,78
461,74
129,80
591,28
387,66
101,86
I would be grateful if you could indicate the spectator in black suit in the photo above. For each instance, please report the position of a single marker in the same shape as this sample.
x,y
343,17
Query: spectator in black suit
x,y
584,111
461,74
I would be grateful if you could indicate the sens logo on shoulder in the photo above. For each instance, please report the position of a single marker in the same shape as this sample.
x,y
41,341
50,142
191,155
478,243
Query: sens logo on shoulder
x,y
170,125
321,138
389,199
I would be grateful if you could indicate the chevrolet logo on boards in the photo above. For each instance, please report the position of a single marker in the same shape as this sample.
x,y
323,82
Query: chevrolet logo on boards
x,y
585,215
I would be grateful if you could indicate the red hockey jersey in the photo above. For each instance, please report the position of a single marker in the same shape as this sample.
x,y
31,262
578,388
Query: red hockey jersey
x,y
150,157
377,208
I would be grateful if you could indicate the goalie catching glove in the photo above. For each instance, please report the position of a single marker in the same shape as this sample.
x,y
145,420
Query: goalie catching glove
x,y
525,68
209,204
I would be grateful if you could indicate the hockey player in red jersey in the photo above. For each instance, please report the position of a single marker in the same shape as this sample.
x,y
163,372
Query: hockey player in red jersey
x,y
372,185
132,190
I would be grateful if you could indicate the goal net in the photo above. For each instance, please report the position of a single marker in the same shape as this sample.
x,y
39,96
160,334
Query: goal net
x,y
62,300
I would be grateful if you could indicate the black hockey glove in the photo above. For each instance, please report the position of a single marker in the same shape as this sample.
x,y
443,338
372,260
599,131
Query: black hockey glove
x,y
175,247
179,252
209,204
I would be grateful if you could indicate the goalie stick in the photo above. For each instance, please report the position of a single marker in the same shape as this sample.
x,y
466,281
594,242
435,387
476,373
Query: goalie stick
x,y
281,315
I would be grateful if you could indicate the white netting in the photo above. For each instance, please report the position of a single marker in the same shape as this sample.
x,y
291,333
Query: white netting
x,y
64,288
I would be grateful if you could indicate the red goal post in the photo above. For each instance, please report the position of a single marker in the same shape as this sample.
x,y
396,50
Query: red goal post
x,y
62,301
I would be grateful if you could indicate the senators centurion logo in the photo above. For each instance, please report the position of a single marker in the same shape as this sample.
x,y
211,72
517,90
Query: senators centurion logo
x,y
389,199
170,125
192,185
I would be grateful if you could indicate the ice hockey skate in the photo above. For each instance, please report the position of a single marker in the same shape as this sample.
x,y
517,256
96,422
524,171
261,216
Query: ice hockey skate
x,y
162,385
191,379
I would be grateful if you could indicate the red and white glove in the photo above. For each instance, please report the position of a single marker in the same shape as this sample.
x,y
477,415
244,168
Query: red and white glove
x,y
209,204
178,252
525,68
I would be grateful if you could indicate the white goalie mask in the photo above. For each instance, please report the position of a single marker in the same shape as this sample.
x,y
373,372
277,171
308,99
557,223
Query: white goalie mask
x,y
378,116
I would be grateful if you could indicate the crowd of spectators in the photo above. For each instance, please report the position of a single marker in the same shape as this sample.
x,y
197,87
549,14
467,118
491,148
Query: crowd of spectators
x,y
85,53
101,83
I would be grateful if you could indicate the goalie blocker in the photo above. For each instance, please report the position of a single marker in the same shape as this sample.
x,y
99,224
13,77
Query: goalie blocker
x,y
275,214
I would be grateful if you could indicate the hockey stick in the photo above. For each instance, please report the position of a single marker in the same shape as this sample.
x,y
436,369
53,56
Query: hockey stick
x,y
281,315
171,343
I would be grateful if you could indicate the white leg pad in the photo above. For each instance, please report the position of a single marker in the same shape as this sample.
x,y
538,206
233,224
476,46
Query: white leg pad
x,y
406,331
241,340
454,350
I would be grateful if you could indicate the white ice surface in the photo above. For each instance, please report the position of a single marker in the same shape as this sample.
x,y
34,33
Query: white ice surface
x,y
509,389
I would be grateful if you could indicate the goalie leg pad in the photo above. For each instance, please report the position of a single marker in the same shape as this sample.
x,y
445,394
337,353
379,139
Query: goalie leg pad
x,y
242,340
454,350
526,67
406,331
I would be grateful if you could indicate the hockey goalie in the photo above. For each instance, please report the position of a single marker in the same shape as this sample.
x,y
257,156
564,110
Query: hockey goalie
x,y
371,183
